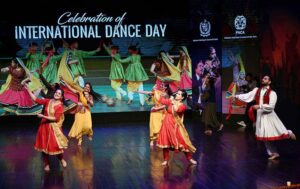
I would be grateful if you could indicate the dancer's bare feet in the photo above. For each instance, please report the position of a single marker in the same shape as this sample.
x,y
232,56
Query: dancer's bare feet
x,y
208,132
63,163
274,156
293,136
79,141
151,143
221,127
193,162
47,168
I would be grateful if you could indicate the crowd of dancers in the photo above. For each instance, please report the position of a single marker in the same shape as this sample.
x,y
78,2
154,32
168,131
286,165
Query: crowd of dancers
x,y
51,85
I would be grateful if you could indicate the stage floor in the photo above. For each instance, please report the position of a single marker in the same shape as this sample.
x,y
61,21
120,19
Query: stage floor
x,y
120,157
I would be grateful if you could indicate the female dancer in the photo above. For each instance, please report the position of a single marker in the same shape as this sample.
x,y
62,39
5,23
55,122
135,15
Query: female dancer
x,y
135,73
75,60
14,97
185,66
83,119
165,71
116,75
49,65
173,135
157,111
50,139
34,58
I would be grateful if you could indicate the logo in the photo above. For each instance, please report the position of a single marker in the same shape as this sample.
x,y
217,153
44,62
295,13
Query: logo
x,y
240,24
204,28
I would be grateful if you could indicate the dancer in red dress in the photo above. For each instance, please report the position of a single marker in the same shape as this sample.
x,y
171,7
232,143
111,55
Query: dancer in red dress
x,y
173,135
50,139
13,97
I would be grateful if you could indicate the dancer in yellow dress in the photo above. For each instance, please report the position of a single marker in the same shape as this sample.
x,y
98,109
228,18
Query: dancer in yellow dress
x,y
83,119
157,111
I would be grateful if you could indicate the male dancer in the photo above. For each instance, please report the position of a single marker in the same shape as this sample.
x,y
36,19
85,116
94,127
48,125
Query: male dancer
x,y
268,126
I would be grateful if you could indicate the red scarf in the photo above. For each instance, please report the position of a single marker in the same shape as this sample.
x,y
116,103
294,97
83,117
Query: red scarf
x,y
266,100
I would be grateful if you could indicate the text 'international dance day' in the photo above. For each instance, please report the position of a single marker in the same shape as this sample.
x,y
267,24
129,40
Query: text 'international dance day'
x,y
82,26
89,31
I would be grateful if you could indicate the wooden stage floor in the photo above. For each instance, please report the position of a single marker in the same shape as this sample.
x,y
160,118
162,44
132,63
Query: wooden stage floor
x,y
120,157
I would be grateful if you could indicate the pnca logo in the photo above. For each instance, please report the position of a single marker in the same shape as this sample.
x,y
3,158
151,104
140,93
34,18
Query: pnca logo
x,y
240,24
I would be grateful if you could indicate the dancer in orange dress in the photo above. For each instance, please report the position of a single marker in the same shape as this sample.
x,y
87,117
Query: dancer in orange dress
x,y
173,135
50,139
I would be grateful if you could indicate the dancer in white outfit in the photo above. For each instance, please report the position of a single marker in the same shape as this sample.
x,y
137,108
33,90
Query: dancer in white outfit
x,y
268,125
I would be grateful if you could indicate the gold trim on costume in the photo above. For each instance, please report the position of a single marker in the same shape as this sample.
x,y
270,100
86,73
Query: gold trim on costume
x,y
61,140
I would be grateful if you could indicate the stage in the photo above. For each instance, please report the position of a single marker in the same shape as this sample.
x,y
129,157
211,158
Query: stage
x,y
120,157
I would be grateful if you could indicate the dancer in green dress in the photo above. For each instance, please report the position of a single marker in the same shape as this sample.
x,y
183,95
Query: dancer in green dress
x,y
135,74
49,65
116,75
34,58
75,60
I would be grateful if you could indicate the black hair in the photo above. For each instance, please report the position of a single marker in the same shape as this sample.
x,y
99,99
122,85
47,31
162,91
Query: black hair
x,y
168,89
134,48
15,60
184,94
269,76
96,96
56,86
62,94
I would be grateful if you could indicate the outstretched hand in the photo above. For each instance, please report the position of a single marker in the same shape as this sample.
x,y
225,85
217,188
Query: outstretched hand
x,y
40,115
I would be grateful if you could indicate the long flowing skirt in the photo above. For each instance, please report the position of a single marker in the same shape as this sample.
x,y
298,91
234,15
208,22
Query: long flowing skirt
x,y
170,135
269,127
156,118
185,81
46,140
82,125
19,102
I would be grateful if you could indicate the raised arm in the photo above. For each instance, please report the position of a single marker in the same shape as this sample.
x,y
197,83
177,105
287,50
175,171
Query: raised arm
x,y
125,60
33,97
145,92
170,58
247,97
88,53
107,49
152,69
5,70
44,81
161,99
